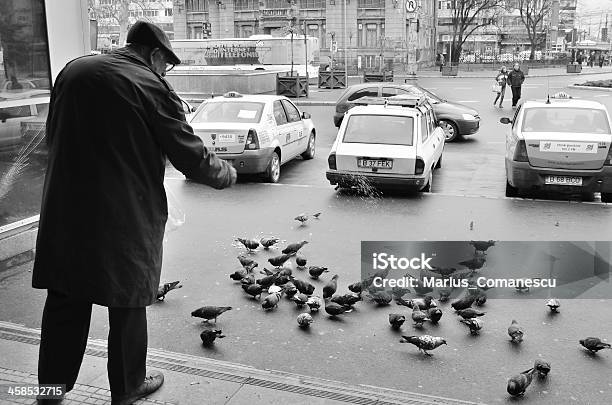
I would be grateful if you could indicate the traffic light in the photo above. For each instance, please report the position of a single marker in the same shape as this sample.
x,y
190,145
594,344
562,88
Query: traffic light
x,y
206,30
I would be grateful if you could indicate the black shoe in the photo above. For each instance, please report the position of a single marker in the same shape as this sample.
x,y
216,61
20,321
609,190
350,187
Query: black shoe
x,y
152,382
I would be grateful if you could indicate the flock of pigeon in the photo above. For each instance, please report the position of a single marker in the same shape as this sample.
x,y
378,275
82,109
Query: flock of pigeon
x,y
281,281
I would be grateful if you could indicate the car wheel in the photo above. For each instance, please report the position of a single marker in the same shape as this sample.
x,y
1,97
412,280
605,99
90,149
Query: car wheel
x,y
439,163
606,197
272,174
310,151
427,188
511,191
450,130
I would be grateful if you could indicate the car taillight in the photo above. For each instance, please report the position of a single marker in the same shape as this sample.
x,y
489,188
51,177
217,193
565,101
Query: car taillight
x,y
520,153
252,142
608,161
419,166
331,161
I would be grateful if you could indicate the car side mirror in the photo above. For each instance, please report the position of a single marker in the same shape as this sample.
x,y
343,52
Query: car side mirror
x,y
305,116
505,120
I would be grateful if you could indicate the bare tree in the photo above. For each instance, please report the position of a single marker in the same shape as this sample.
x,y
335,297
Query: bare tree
x,y
532,14
467,16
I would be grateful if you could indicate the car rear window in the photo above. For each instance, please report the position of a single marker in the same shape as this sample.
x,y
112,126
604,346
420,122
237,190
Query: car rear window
x,y
583,120
379,129
229,111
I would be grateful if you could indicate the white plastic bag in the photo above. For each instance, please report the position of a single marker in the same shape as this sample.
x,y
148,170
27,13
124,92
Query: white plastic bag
x,y
176,214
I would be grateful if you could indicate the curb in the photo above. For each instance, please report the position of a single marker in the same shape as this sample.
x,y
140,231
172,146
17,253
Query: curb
x,y
591,88
246,375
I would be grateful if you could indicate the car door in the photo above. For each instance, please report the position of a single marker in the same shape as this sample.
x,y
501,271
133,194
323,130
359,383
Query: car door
x,y
283,129
295,129
426,144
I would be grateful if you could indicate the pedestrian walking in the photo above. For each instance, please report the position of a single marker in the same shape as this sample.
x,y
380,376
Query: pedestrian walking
x,y
104,207
516,77
500,86
601,60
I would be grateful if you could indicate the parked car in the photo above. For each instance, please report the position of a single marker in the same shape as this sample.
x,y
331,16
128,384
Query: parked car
x,y
388,142
455,119
559,145
256,133
19,111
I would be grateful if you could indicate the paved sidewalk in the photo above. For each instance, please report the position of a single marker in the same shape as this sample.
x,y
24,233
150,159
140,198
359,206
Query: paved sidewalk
x,y
192,379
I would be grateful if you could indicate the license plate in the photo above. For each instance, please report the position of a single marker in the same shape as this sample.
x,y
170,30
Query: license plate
x,y
375,163
225,138
564,180
568,147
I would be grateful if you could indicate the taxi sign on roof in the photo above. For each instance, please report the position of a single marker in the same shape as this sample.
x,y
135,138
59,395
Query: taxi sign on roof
x,y
400,100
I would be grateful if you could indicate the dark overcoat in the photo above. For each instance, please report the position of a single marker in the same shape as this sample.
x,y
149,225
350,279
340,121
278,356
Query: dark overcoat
x,y
112,123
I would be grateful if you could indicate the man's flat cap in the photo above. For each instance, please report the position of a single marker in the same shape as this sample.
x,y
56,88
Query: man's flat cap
x,y
146,33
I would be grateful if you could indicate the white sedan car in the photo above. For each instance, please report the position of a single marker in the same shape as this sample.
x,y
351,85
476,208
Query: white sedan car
x,y
255,133
559,145
392,141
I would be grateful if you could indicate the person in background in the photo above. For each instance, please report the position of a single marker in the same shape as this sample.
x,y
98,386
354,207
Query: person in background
x,y
601,60
104,207
501,79
516,77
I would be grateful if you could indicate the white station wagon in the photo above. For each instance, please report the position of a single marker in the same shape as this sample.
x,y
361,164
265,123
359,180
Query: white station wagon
x,y
392,141
561,144
255,133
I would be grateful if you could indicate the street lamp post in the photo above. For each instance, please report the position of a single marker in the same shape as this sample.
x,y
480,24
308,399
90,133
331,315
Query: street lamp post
x,y
345,46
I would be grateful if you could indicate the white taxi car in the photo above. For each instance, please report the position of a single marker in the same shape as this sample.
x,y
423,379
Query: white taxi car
x,y
560,144
393,141
255,133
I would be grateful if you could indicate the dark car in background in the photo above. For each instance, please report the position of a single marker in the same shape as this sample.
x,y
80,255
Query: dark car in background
x,y
455,119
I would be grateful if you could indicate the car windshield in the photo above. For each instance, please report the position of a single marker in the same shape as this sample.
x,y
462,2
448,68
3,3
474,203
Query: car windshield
x,y
431,97
581,120
379,129
229,111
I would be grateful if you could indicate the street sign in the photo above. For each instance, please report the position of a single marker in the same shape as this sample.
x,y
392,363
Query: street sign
x,y
411,6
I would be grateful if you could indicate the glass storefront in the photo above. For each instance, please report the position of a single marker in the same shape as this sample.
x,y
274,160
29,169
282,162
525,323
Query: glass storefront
x,y
24,99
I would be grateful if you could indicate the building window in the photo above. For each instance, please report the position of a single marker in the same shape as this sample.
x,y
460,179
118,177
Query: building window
x,y
150,13
371,4
168,12
246,5
196,5
312,4
371,35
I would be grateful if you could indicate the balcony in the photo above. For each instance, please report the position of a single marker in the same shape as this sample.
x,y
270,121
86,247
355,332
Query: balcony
x,y
276,13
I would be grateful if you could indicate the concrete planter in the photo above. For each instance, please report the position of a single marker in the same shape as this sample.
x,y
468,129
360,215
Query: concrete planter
x,y
386,76
450,70
292,86
571,68
333,79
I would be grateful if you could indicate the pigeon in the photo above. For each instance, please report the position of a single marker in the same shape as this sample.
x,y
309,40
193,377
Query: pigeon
x,y
302,218
346,299
316,271
553,304
248,263
521,286
250,244
208,312
330,288
422,290
515,332
359,286
300,260
469,313
474,263
268,242
463,303
304,320
316,215
274,289
167,287
418,316
304,286
482,246
314,303
396,320
271,301
278,261
444,271
434,314
209,336
253,289
290,289
481,298
284,272
594,344
250,279
300,300
238,275
399,292
444,294
267,281
334,309
381,297
294,247
423,303
424,342
519,383
542,367
474,324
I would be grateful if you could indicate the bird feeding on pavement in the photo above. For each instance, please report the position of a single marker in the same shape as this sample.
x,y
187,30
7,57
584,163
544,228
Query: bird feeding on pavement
x,y
594,344
519,383
300,260
166,288
314,303
349,299
209,312
302,218
253,290
238,275
475,324
434,314
424,342
304,320
542,367
303,286
553,304
271,301
396,320
418,316
268,242
334,309
209,336
470,313
515,331
330,288
300,300
250,244
278,261
316,271
463,303
294,247
246,262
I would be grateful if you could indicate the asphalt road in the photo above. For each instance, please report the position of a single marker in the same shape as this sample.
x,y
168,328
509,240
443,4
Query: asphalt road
x,y
467,203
